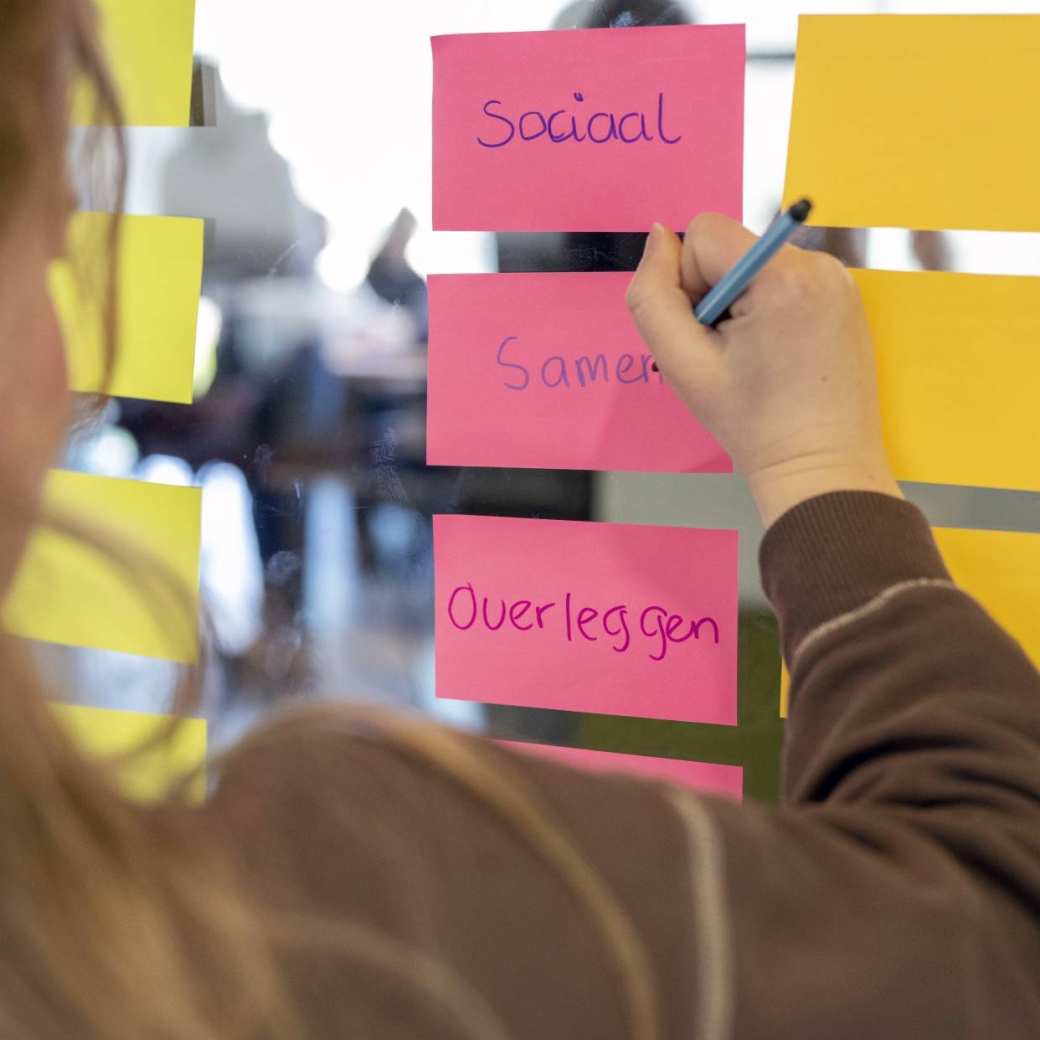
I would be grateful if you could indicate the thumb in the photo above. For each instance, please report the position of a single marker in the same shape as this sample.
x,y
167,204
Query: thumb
x,y
713,244
684,349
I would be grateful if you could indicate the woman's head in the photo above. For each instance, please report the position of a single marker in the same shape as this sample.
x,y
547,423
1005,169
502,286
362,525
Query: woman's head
x,y
623,14
100,902
46,47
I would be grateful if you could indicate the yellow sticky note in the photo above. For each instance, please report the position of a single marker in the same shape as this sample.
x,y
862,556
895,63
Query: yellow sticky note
x,y
149,45
917,121
1001,569
160,278
66,592
104,733
959,374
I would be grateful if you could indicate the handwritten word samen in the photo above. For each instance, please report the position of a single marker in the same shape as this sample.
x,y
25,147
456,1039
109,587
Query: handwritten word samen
x,y
561,125
581,371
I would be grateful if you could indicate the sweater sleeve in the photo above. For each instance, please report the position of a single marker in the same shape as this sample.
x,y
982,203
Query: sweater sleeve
x,y
897,892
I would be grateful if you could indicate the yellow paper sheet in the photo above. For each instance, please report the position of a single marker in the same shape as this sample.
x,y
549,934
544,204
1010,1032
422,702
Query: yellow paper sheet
x,y
103,732
917,121
65,592
1001,569
149,46
959,375
160,278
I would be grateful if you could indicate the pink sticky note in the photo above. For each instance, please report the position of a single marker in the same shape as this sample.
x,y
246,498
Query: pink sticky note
x,y
548,370
587,130
622,619
706,777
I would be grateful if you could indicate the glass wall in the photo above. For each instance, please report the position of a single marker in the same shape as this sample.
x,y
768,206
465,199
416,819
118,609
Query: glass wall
x,y
311,166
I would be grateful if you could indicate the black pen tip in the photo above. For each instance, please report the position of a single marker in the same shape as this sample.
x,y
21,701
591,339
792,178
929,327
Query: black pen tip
x,y
800,210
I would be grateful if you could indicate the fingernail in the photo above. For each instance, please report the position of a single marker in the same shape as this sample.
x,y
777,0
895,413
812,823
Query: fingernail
x,y
648,244
653,238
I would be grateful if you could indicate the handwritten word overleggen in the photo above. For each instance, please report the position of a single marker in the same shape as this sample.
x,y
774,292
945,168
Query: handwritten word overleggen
x,y
651,630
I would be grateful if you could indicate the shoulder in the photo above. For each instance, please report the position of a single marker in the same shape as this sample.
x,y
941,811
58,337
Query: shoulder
x,y
458,845
310,764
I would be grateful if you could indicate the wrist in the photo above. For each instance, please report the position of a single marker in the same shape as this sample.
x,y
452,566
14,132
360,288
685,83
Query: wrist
x,y
782,486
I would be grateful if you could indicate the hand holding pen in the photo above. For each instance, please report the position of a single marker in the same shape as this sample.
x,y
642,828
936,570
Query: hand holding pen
x,y
789,389
712,309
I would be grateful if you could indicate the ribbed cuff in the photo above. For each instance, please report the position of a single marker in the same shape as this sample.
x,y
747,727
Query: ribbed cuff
x,y
834,553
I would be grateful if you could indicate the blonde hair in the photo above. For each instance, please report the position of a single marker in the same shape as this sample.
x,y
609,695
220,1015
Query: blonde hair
x,y
98,903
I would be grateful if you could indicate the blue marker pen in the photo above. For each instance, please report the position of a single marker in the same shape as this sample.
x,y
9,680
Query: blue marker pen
x,y
715,304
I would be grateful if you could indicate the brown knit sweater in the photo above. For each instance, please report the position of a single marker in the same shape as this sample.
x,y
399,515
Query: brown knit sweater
x,y
895,894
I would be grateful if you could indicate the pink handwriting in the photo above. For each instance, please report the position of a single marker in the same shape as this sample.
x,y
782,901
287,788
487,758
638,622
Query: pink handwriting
x,y
618,626
582,371
559,126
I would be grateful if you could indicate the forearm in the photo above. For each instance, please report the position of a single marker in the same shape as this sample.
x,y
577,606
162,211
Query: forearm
x,y
905,693
897,893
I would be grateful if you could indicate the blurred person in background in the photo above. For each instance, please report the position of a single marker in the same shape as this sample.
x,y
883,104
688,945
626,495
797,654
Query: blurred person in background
x,y
270,407
930,249
394,279
596,250
566,494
